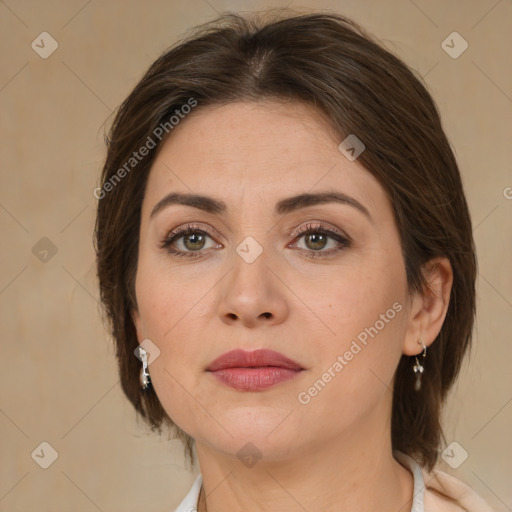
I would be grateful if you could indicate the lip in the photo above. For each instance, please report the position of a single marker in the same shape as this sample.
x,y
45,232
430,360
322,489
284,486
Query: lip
x,y
253,371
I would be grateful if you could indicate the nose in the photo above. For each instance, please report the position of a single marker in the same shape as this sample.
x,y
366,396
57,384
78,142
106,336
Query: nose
x,y
252,294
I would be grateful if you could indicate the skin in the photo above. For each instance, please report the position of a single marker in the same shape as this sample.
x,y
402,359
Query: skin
x,y
333,453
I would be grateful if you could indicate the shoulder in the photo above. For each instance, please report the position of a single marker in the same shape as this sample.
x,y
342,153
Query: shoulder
x,y
445,493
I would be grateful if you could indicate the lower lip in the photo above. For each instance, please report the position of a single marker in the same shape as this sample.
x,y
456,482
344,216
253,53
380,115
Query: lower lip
x,y
255,379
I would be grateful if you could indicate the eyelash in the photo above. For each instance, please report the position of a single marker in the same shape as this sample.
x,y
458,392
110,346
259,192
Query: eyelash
x,y
180,233
344,242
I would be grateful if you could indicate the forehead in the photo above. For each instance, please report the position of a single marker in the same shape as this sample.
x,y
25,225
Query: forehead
x,y
251,153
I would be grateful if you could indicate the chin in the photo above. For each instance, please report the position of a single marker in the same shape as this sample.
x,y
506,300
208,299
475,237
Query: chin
x,y
258,431
249,449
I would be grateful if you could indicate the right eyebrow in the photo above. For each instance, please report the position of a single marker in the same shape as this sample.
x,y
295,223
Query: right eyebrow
x,y
205,203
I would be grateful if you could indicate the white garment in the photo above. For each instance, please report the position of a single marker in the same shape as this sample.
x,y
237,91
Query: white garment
x,y
189,503
442,493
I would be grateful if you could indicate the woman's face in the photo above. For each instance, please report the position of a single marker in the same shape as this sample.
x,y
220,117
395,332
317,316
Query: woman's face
x,y
250,274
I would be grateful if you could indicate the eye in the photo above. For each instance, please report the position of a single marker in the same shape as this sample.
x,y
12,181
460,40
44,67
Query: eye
x,y
188,241
192,241
317,238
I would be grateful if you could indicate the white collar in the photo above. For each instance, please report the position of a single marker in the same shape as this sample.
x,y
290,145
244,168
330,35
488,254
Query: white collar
x,y
419,484
189,503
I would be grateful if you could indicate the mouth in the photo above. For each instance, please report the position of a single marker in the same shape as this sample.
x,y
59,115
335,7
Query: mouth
x,y
253,371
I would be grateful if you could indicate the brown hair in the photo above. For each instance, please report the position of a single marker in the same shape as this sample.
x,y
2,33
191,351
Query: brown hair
x,y
330,63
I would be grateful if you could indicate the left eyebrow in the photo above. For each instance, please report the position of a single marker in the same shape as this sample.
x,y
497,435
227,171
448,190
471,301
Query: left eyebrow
x,y
284,206
291,204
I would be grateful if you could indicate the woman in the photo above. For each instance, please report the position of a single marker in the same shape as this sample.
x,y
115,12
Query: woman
x,y
284,243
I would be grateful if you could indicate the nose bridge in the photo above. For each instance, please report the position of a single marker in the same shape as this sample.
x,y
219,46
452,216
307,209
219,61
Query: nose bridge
x,y
251,292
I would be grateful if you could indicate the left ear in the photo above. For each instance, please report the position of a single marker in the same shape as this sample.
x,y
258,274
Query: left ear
x,y
428,308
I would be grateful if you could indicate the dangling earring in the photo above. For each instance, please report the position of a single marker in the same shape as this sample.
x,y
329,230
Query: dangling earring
x,y
419,368
145,380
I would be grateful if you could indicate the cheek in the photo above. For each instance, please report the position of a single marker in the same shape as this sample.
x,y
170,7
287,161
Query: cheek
x,y
168,297
170,307
364,306
353,374
360,296
169,311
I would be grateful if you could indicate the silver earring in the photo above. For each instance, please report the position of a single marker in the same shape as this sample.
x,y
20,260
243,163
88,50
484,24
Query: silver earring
x,y
145,379
419,368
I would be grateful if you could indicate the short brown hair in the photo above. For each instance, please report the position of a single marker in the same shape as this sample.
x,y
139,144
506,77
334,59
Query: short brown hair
x,y
326,61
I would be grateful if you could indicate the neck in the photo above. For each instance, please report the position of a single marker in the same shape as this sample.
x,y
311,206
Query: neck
x,y
355,471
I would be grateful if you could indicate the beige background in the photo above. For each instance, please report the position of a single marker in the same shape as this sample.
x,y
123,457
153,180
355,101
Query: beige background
x,y
58,377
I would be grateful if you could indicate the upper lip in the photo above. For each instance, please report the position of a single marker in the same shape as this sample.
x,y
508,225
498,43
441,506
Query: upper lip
x,y
257,358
